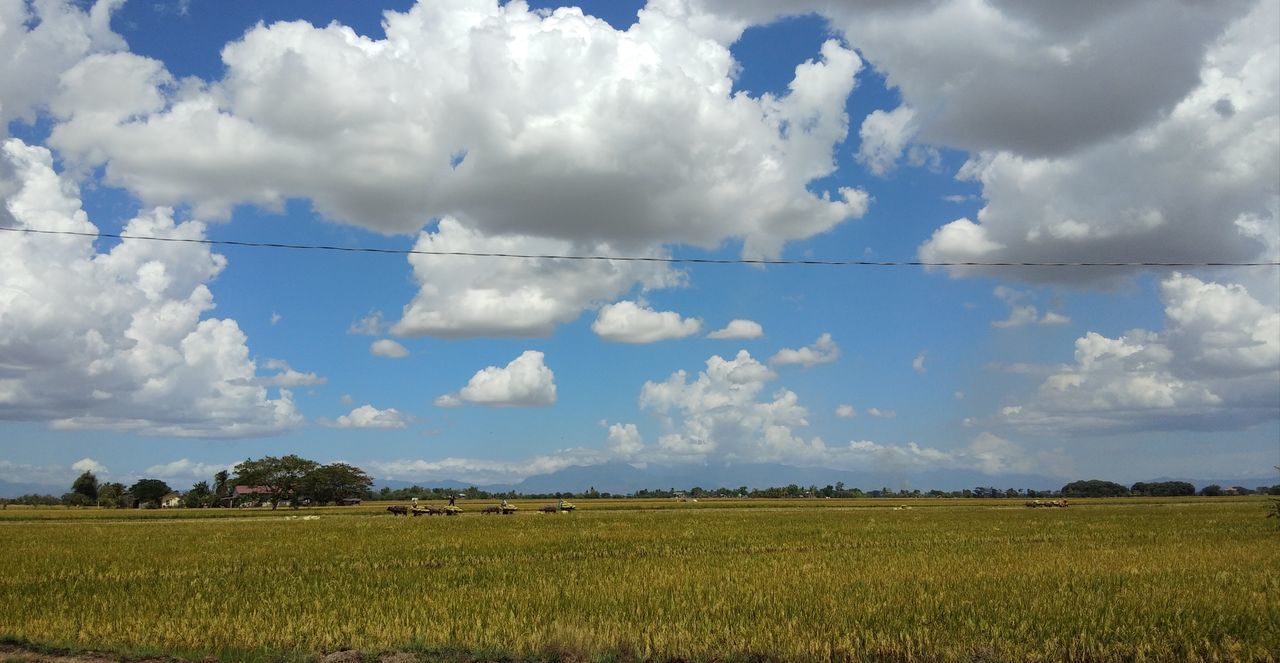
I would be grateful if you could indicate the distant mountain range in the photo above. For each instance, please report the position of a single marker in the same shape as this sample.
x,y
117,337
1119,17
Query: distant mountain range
x,y
621,478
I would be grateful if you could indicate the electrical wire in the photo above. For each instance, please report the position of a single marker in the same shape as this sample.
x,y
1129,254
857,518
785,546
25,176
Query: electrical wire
x,y
693,261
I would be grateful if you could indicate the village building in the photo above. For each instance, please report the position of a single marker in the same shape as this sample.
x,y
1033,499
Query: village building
x,y
247,496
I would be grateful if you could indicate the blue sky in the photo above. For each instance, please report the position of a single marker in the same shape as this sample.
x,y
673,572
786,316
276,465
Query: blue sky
x,y
945,132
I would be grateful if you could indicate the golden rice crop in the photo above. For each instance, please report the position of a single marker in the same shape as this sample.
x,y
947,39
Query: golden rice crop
x,y
1151,580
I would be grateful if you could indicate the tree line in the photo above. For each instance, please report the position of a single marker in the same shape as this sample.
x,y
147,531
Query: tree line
x,y
277,480
1099,488
1085,488
295,480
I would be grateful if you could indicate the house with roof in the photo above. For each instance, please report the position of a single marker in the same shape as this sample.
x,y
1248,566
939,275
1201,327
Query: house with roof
x,y
171,500
247,496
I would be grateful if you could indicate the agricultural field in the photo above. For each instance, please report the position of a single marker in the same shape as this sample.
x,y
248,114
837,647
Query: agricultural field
x,y
1104,580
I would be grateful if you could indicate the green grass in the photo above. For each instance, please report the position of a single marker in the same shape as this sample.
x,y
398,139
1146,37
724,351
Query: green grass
x,y
1128,580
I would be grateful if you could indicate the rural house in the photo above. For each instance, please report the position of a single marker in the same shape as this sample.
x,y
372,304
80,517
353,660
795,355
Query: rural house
x,y
247,496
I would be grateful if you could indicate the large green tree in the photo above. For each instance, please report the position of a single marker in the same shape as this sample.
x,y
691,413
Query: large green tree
x,y
333,482
113,496
280,476
149,491
198,496
86,484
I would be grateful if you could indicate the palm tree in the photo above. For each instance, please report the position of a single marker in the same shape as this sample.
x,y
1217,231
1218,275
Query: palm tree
x,y
220,485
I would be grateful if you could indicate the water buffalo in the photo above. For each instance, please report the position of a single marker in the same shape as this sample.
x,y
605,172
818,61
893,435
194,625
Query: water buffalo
x,y
398,510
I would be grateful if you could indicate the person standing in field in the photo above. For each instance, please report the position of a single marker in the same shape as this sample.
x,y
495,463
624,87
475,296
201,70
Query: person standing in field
x,y
452,498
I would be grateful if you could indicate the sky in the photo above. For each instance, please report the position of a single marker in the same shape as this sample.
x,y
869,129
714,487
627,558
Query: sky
x,y
938,131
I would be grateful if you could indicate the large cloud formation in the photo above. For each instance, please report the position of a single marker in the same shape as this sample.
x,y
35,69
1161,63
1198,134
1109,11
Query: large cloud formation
x,y
41,40
1198,180
116,340
1137,130
523,126
1215,366
1038,78
1116,131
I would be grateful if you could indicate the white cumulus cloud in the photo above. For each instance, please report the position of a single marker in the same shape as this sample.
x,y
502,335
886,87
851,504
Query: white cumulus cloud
x,y
471,296
629,322
625,440
884,137
738,329
845,411
822,351
448,400
718,414
288,377
117,340
368,416
89,465
385,347
524,382
1022,312
370,325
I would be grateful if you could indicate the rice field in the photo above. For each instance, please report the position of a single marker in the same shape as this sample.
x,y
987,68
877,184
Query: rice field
x,y
858,580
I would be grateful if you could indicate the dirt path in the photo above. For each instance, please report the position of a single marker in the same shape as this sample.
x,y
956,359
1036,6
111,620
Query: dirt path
x,y
13,654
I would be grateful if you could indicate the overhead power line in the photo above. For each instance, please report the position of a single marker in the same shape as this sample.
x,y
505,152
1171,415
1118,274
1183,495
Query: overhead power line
x,y
695,261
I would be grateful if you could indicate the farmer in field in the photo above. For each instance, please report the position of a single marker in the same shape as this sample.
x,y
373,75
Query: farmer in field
x,y
452,498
